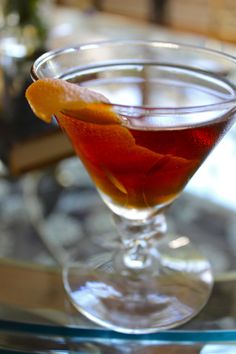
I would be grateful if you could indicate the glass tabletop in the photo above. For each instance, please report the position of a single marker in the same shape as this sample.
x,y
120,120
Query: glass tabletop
x,y
33,301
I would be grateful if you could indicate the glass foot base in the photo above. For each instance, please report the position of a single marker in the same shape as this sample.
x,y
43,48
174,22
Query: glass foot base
x,y
144,301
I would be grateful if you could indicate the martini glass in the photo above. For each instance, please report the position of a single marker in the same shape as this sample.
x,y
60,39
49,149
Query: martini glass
x,y
174,103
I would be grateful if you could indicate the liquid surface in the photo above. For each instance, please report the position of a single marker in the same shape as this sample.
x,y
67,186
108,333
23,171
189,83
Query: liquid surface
x,y
156,85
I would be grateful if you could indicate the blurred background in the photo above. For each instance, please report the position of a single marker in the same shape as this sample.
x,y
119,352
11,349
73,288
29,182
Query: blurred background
x,y
208,17
41,184
28,28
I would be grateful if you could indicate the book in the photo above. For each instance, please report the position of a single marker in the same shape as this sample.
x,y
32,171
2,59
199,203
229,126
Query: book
x,y
38,152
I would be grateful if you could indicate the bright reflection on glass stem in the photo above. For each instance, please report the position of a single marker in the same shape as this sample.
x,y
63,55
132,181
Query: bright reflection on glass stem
x,y
179,242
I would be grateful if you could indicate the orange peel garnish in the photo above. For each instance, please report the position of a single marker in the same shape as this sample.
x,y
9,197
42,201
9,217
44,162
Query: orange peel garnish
x,y
47,97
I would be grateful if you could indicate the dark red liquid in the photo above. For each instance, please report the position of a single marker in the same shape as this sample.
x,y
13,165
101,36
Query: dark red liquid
x,y
140,168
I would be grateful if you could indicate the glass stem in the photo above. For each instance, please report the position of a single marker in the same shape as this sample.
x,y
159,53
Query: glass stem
x,y
139,239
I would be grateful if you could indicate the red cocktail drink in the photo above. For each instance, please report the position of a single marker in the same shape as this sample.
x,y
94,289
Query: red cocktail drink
x,y
137,168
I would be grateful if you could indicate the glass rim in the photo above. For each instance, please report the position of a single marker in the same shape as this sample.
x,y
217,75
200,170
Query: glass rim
x,y
225,104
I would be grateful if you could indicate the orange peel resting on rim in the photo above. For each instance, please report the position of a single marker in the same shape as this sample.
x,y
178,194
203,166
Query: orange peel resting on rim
x,y
48,97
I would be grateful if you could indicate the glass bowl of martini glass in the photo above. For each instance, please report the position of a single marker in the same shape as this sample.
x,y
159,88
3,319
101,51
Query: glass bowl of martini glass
x,y
173,103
